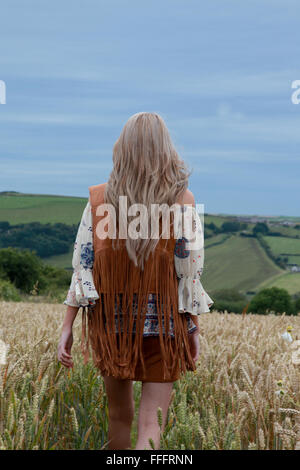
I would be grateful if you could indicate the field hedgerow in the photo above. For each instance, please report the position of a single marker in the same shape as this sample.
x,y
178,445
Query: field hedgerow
x,y
245,393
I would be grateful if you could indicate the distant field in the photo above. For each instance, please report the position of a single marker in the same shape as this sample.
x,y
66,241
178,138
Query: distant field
x,y
294,259
288,281
221,237
280,245
285,231
238,263
23,208
61,261
216,219
283,217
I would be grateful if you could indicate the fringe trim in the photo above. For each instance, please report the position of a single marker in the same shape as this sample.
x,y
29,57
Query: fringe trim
x,y
116,280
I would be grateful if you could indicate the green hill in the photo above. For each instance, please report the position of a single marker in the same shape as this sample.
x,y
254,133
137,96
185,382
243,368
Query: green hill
x,y
283,246
61,261
288,281
239,263
18,208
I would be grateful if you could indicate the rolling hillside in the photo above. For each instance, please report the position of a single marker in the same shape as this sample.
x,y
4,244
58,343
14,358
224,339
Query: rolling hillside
x,y
288,281
238,263
17,208
61,261
282,246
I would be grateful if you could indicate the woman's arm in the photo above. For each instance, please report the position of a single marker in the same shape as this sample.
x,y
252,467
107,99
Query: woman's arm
x,y
195,320
192,298
70,317
194,339
66,338
81,291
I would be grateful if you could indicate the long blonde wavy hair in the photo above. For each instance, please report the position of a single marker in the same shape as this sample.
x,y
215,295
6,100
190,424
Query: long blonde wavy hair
x,y
148,170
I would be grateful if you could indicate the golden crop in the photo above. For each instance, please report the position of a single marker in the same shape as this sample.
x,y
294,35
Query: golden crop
x,y
245,393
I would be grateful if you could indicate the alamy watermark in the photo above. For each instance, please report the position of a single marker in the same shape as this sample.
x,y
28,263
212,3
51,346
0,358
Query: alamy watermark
x,y
296,94
2,92
135,222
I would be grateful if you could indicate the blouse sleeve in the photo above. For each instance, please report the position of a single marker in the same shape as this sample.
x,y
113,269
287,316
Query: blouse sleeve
x,y
189,262
82,291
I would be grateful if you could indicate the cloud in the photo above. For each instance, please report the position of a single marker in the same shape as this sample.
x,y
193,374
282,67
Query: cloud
x,y
236,155
233,125
61,119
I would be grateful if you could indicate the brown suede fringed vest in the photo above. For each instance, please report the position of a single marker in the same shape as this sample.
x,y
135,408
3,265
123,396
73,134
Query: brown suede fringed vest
x,y
114,273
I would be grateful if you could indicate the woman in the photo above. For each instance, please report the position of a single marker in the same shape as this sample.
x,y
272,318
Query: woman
x,y
141,295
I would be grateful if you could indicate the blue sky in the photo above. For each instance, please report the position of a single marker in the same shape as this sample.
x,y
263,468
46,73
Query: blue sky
x,y
219,73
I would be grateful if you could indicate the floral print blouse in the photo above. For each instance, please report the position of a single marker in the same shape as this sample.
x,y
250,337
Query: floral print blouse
x,y
192,297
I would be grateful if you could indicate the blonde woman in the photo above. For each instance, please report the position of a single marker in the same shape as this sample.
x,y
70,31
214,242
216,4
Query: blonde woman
x,y
141,296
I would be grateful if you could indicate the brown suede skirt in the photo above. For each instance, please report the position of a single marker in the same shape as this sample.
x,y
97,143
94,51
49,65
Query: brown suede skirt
x,y
153,363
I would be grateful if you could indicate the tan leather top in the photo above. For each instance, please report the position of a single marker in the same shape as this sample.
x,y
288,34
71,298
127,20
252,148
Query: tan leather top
x,y
115,273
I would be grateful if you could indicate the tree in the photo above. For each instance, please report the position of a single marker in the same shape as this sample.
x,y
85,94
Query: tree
x,y
22,268
229,299
232,226
4,226
8,291
261,227
211,226
45,239
297,305
273,299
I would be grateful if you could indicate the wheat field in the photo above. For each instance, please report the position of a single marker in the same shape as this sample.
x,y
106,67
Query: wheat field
x,y
245,393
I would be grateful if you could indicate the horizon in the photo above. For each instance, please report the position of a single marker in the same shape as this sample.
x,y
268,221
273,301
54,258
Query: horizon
x,y
221,214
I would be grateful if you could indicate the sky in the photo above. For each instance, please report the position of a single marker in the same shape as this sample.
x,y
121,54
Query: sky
x,y
219,73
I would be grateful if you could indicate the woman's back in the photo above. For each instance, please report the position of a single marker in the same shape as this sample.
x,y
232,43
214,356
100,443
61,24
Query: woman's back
x,y
114,273
141,294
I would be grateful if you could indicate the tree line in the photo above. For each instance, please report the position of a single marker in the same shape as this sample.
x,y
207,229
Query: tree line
x,y
274,299
45,239
22,272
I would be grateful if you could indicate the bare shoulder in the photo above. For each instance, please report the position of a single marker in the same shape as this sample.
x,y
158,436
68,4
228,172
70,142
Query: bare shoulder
x,y
187,198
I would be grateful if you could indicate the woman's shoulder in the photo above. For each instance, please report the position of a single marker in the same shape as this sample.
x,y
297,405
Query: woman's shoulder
x,y
96,187
96,193
187,198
